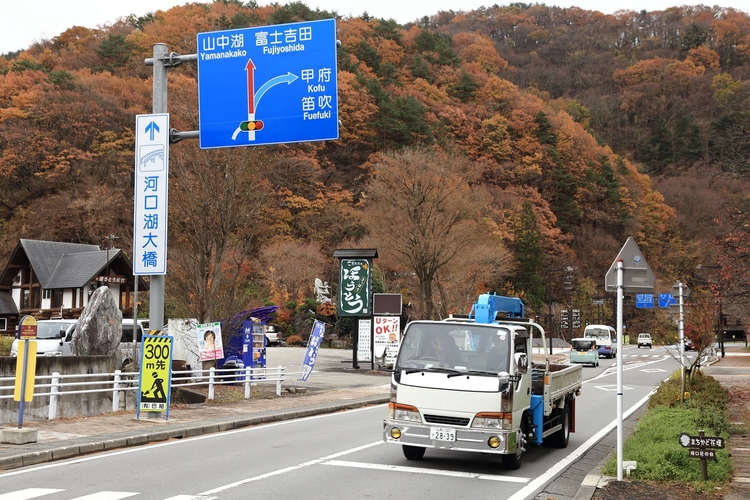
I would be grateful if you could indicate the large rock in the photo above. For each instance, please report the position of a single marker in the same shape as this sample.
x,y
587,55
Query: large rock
x,y
99,329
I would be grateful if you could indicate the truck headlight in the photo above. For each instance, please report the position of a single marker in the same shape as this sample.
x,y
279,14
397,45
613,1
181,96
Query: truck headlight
x,y
491,420
398,411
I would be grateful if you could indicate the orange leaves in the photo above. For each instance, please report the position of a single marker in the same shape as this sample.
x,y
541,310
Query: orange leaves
x,y
479,52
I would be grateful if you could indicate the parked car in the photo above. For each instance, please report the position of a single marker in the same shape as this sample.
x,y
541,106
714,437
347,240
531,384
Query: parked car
x,y
49,336
644,339
272,335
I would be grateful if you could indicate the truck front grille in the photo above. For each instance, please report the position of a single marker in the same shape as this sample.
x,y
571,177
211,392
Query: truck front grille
x,y
443,420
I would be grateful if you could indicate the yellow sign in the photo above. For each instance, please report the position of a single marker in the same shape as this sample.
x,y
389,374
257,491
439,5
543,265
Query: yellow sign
x,y
30,370
156,373
27,328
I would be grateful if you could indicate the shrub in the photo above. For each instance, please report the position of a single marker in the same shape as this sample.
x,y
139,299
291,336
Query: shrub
x,y
6,342
294,340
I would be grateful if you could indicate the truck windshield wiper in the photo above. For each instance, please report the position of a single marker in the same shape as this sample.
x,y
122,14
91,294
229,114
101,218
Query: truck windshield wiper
x,y
474,372
435,369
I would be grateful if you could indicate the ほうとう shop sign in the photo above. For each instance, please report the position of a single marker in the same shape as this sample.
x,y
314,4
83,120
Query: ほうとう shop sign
x,y
354,287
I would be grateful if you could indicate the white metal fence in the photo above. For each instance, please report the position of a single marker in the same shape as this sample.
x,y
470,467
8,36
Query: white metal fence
x,y
58,385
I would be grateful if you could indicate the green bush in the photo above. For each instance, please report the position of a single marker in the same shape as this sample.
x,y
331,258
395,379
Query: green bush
x,y
655,446
5,344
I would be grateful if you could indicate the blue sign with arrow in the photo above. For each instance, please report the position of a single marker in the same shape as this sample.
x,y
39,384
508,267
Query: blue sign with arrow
x,y
268,85
666,300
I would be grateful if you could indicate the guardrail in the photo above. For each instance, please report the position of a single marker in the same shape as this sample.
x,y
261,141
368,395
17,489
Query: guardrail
x,y
58,385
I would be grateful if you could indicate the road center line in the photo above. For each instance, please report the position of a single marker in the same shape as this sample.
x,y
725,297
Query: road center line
x,y
289,469
421,470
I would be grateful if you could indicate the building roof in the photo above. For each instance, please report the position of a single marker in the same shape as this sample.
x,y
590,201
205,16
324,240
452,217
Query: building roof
x,y
7,305
64,265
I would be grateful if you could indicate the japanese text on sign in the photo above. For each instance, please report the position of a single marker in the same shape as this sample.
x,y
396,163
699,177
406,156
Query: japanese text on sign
x,y
354,287
313,344
151,170
155,380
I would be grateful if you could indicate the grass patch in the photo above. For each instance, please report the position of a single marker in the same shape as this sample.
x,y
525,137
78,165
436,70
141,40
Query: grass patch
x,y
654,443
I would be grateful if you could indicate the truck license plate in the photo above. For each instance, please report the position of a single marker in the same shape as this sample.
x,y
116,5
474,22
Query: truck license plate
x,y
442,434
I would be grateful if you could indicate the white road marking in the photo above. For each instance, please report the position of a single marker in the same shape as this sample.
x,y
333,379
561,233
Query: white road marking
x,y
28,493
560,466
107,495
421,470
152,446
289,469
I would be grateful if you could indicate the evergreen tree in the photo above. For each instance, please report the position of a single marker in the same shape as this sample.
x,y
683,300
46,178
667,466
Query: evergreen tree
x,y
530,256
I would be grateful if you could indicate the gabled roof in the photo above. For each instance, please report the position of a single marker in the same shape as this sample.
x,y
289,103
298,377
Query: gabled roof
x,y
7,305
45,256
66,265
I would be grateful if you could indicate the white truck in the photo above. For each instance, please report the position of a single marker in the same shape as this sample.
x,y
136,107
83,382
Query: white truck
x,y
486,395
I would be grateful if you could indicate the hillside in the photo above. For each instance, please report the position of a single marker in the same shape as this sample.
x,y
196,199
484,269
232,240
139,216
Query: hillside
x,y
567,130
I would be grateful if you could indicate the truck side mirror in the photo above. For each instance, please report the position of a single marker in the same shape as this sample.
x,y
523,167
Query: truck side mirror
x,y
522,362
504,379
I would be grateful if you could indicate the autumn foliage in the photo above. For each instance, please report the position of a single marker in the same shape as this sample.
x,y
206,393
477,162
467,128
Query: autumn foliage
x,y
466,139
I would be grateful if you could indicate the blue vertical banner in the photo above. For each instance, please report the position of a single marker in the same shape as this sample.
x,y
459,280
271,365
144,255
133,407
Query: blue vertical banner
x,y
313,344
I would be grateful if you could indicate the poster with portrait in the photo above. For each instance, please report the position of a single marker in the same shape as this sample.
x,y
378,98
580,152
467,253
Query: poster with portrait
x,y
387,336
209,341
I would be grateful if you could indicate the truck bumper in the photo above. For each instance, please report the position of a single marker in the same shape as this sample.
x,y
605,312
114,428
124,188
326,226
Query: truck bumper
x,y
476,440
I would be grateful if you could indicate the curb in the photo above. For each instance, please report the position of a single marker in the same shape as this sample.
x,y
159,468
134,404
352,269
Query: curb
x,y
36,453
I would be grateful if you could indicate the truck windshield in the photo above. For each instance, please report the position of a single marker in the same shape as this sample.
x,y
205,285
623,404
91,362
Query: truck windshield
x,y
439,346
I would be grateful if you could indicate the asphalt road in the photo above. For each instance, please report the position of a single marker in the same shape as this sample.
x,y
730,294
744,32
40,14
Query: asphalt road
x,y
339,454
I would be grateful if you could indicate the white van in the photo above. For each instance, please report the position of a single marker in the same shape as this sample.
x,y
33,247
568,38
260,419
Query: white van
x,y
126,342
49,336
606,339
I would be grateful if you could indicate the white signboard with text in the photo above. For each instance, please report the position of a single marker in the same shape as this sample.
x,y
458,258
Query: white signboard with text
x,y
387,336
150,214
363,345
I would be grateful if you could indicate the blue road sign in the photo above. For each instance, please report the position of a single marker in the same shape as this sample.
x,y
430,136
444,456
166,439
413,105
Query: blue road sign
x,y
666,300
268,85
644,300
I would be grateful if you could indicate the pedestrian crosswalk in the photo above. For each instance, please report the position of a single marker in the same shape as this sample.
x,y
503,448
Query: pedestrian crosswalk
x,y
31,493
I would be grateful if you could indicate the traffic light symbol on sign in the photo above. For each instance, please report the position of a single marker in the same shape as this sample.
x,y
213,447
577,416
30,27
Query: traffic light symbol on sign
x,y
252,125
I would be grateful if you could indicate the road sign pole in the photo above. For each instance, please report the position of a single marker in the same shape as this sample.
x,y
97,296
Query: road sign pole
x,y
156,305
23,381
681,337
620,291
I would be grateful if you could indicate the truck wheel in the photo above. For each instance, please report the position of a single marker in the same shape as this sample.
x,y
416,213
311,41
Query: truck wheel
x,y
413,452
513,462
560,438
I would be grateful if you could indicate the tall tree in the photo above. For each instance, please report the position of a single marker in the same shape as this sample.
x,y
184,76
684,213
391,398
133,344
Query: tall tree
x,y
218,202
530,255
423,210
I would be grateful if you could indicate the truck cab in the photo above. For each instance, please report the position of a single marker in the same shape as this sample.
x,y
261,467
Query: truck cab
x,y
469,384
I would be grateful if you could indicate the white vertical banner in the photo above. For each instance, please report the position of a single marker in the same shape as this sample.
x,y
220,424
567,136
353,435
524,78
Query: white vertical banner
x,y
387,337
363,345
150,214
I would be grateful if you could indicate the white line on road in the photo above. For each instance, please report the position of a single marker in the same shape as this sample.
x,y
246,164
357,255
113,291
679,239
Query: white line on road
x,y
289,469
540,481
28,494
421,470
107,495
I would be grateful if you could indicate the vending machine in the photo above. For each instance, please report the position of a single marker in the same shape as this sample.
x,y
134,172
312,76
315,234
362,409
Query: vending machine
x,y
254,344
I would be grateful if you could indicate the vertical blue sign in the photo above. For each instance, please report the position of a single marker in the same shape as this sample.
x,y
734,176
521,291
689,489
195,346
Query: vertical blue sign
x,y
313,344
268,85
